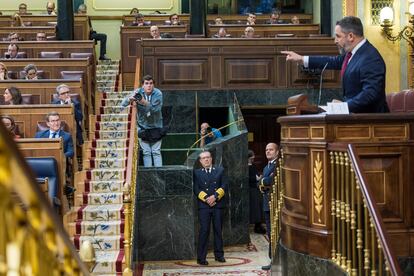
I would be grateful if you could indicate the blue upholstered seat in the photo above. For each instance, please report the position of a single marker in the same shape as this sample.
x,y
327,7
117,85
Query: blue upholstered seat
x,y
47,167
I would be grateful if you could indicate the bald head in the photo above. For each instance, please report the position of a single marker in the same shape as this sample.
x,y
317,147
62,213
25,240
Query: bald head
x,y
272,150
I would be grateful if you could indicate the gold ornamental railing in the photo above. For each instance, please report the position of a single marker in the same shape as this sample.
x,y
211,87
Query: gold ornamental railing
x,y
276,205
129,193
32,238
359,239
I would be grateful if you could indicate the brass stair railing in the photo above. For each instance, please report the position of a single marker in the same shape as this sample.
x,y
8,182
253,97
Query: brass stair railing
x,y
276,205
32,238
359,239
130,192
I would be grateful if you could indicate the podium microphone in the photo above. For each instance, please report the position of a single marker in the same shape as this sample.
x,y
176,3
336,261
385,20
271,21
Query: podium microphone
x,y
320,84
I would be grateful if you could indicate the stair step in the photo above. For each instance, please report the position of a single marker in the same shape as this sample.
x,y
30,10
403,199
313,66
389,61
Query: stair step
x,y
101,212
100,198
113,117
96,228
104,186
106,174
117,95
108,261
115,110
110,134
107,163
101,243
110,143
109,153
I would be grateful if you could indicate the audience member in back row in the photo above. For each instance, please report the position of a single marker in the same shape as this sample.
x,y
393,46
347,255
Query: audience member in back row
x,y
11,126
31,72
23,9
54,131
63,97
13,37
218,21
82,9
251,19
41,36
275,18
4,73
50,8
134,11
139,20
248,32
295,20
174,20
12,96
12,51
155,32
221,34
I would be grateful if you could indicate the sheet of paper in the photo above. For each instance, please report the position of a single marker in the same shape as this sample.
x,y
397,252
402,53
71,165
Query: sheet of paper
x,y
337,108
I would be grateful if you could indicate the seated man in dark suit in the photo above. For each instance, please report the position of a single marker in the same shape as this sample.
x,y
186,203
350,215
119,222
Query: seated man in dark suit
x,y
94,35
54,131
63,97
275,18
12,51
140,20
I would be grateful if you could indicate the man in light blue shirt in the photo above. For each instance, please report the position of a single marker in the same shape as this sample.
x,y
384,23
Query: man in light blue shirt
x,y
150,127
209,134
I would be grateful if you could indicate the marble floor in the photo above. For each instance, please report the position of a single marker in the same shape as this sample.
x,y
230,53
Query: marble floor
x,y
240,260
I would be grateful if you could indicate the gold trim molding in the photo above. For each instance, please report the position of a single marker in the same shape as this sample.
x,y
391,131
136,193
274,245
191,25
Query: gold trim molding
x,y
318,185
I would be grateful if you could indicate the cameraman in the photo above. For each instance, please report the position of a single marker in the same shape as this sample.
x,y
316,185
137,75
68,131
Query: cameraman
x,y
208,134
150,128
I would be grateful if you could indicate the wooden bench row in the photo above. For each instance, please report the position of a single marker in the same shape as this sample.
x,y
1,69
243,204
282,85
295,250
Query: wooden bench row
x,y
130,35
160,19
52,69
81,23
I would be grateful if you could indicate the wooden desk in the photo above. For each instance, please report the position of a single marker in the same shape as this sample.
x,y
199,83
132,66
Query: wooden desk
x,y
81,24
53,67
32,147
266,30
28,116
156,19
182,64
27,33
129,35
33,48
260,18
385,145
42,91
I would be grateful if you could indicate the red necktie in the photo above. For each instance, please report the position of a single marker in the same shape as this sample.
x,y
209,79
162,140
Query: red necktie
x,y
345,63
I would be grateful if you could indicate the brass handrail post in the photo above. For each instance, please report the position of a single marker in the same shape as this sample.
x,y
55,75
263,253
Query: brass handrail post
x,y
347,214
127,232
333,210
353,223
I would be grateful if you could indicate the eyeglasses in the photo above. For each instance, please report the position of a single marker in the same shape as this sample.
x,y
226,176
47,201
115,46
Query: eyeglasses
x,y
64,93
41,37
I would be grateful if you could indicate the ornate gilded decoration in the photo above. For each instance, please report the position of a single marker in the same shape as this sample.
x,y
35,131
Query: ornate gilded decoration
x,y
317,185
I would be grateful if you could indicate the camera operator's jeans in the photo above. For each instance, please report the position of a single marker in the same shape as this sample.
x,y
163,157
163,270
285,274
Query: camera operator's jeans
x,y
151,151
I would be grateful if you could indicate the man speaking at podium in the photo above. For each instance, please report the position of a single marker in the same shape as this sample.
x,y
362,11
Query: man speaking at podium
x,y
362,67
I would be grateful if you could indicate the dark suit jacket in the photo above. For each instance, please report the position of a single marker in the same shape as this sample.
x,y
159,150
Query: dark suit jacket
x,y
207,184
268,179
363,83
78,118
67,140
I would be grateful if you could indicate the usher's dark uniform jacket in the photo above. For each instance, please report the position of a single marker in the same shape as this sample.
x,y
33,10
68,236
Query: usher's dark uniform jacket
x,y
207,184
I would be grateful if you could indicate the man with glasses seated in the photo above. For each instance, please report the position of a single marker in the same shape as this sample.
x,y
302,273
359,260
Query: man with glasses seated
x,y
63,97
